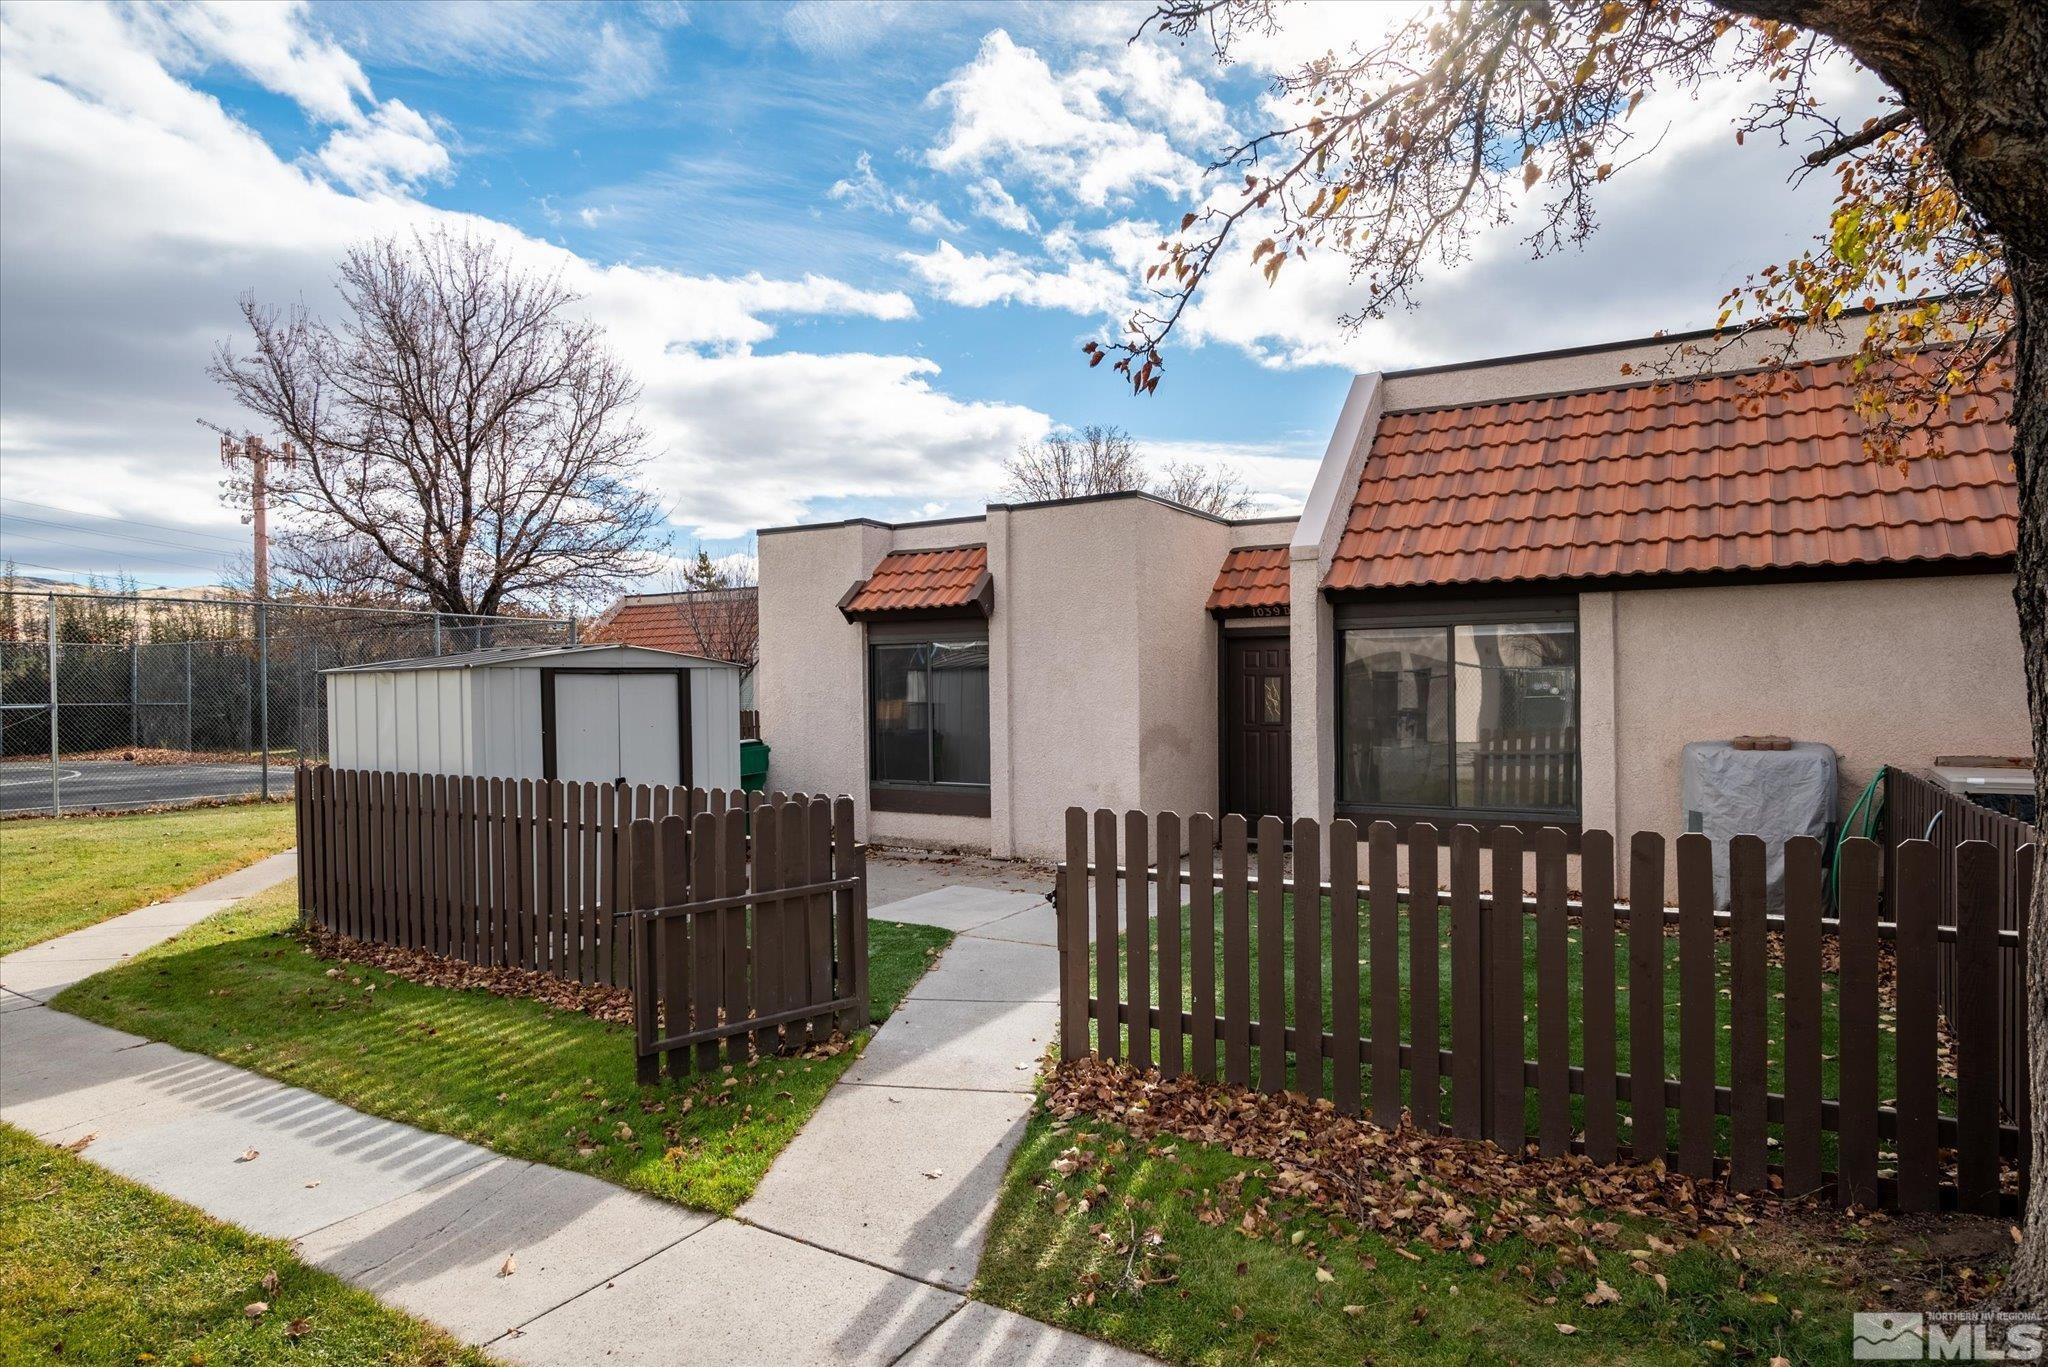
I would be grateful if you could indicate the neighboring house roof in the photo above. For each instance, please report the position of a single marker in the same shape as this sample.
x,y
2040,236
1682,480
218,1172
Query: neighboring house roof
x,y
664,621
1252,577
949,580
1679,478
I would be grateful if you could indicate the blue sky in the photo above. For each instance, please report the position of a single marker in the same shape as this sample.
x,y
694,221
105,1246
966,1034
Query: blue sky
x,y
851,249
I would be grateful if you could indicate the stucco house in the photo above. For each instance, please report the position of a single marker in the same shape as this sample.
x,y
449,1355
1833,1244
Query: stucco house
x,y
1518,587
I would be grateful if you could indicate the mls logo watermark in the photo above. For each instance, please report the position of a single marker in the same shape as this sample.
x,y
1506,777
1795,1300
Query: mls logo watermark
x,y
1946,1336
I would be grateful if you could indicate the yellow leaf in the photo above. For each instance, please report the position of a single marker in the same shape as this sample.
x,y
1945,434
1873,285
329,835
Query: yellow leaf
x,y
1531,174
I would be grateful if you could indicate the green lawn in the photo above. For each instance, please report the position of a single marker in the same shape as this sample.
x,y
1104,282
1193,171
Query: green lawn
x,y
513,1075
1774,1033
101,1270
1217,1294
66,872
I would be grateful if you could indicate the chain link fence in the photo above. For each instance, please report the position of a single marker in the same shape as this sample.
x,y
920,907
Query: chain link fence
x,y
161,701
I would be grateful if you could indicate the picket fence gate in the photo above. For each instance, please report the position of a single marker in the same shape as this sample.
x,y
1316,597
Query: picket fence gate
x,y
1213,1000
756,939
752,907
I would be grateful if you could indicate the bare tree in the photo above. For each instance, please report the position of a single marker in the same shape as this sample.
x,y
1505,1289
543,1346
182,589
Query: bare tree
x,y
1393,158
717,603
461,435
1217,489
1104,460
1095,460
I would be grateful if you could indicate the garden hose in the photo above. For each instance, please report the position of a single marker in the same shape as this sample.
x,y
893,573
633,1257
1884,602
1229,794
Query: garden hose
x,y
1870,802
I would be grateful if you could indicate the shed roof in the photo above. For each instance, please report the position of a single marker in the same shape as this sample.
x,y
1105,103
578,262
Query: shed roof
x,y
1664,479
593,656
1252,577
955,578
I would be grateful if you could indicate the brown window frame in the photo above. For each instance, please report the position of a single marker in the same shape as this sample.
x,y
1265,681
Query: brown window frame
x,y
1448,613
929,798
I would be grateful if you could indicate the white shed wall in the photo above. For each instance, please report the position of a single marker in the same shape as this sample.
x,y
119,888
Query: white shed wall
x,y
715,728
486,722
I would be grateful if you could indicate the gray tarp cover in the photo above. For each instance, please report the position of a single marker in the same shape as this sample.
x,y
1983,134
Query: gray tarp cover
x,y
1776,794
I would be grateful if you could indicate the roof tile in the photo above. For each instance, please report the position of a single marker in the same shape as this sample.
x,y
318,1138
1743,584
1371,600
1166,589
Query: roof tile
x,y
912,581
1701,476
1251,577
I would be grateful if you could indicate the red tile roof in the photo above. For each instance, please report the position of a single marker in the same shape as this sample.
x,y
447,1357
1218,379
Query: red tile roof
x,y
1678,479
1251,577
661,623
913,581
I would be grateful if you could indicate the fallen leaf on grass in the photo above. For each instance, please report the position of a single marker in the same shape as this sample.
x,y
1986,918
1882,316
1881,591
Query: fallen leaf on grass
x,y
256,1310
298,1328
509,1266
1602,1294
1567,1328
1323,1274
269,1282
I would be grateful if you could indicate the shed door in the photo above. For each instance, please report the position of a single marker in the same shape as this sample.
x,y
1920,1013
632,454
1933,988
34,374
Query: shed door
x,y
586,735
1257,762
650,731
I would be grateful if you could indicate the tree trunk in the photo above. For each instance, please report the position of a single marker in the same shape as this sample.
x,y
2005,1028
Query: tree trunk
x,y
2027,1287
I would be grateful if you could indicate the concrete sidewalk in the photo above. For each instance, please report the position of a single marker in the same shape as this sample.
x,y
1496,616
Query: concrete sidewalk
x,y
902,1164
848,1254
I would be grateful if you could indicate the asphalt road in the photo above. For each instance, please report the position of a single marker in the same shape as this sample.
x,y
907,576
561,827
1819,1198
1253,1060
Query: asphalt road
x,y
111,784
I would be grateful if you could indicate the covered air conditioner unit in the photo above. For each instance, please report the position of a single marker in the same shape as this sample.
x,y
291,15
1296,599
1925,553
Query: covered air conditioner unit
x,y
1776,794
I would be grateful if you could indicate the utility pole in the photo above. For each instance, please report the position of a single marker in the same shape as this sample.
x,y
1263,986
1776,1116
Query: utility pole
x,y
249,450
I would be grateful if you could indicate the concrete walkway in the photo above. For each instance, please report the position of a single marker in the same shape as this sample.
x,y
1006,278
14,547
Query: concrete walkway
x,y
855,1249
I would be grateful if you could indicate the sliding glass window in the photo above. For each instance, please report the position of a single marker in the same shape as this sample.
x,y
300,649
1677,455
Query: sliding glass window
x,y
928,712
1460,717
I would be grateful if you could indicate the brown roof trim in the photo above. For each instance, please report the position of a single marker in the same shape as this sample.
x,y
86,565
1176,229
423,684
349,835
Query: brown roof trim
x,y
1145,494
1919,568
868,522
1019,507
1614,386
1595,348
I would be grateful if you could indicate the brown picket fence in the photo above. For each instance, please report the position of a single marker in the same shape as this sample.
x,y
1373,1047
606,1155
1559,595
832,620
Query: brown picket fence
x,y
1170,961
1917,808
495,872
757,938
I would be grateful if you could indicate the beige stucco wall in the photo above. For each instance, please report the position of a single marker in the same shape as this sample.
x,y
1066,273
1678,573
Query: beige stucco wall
x,y
812,677
1112,672
1102,664
1887,671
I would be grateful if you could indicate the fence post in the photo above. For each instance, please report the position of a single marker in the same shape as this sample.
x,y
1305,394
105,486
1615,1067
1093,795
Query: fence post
x,y
263,692
135,685
437,632
50,632
188,697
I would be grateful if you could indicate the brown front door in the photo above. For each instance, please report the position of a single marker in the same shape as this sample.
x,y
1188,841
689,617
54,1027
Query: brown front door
x,y
1256,706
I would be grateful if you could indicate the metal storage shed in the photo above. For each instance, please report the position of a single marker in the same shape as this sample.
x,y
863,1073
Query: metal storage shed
x,y
585,714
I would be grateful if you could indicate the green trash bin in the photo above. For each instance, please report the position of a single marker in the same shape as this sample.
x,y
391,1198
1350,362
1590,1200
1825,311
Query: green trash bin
x,y
754,766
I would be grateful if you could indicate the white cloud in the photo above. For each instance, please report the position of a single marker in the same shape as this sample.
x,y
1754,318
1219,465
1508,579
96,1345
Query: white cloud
x,y
1677,228
268,41
112,311
390,150
1082,285
619,65
375,147
866,190
993,203
1075,134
